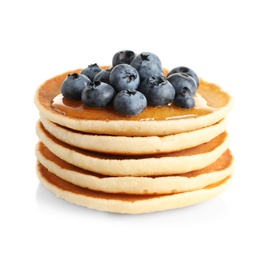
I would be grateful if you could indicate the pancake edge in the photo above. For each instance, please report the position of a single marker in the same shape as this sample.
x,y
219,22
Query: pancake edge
x,y
159,203
136,185
133,167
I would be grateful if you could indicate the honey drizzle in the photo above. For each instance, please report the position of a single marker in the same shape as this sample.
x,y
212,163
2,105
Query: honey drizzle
x,y
76,109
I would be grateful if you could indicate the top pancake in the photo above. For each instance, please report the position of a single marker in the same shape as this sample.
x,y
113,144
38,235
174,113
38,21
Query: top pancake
x,y
211,105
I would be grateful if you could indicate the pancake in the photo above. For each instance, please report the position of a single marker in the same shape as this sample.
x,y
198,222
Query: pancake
x,y
137,144
153,165
164,158
124,203
217,171
211,105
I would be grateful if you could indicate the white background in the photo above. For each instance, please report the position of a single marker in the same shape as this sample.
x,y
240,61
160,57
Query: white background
x,y
226,42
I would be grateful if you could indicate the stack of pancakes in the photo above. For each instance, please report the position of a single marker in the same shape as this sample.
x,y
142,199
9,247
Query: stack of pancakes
x,y
164,158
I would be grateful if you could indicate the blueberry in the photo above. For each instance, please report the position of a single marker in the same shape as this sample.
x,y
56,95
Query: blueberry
x,y
144,57
98,94
103,75
91,70
73,86
147,64
158,91
181,81
125,56
129,102
184,99
186,70
124,76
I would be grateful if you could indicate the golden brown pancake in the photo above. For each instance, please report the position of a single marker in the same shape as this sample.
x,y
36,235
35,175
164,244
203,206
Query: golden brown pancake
x,y
126,203
217,171
135,144
142,165
164,158
211,105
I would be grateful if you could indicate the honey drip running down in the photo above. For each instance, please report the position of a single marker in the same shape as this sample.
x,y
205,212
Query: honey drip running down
x,y
76,109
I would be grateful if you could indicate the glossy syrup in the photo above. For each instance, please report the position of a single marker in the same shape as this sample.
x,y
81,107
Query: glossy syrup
x,y
75,109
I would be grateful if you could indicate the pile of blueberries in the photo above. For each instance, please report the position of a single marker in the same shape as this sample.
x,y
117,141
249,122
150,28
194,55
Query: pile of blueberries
x,y
133,82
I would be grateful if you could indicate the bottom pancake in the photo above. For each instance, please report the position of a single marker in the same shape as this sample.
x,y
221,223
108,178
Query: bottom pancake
x,y
198,179
126,203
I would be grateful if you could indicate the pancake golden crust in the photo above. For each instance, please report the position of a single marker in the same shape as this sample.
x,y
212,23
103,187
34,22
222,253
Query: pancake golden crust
x,y
114,165
148,123
215,172
134,145
124,203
